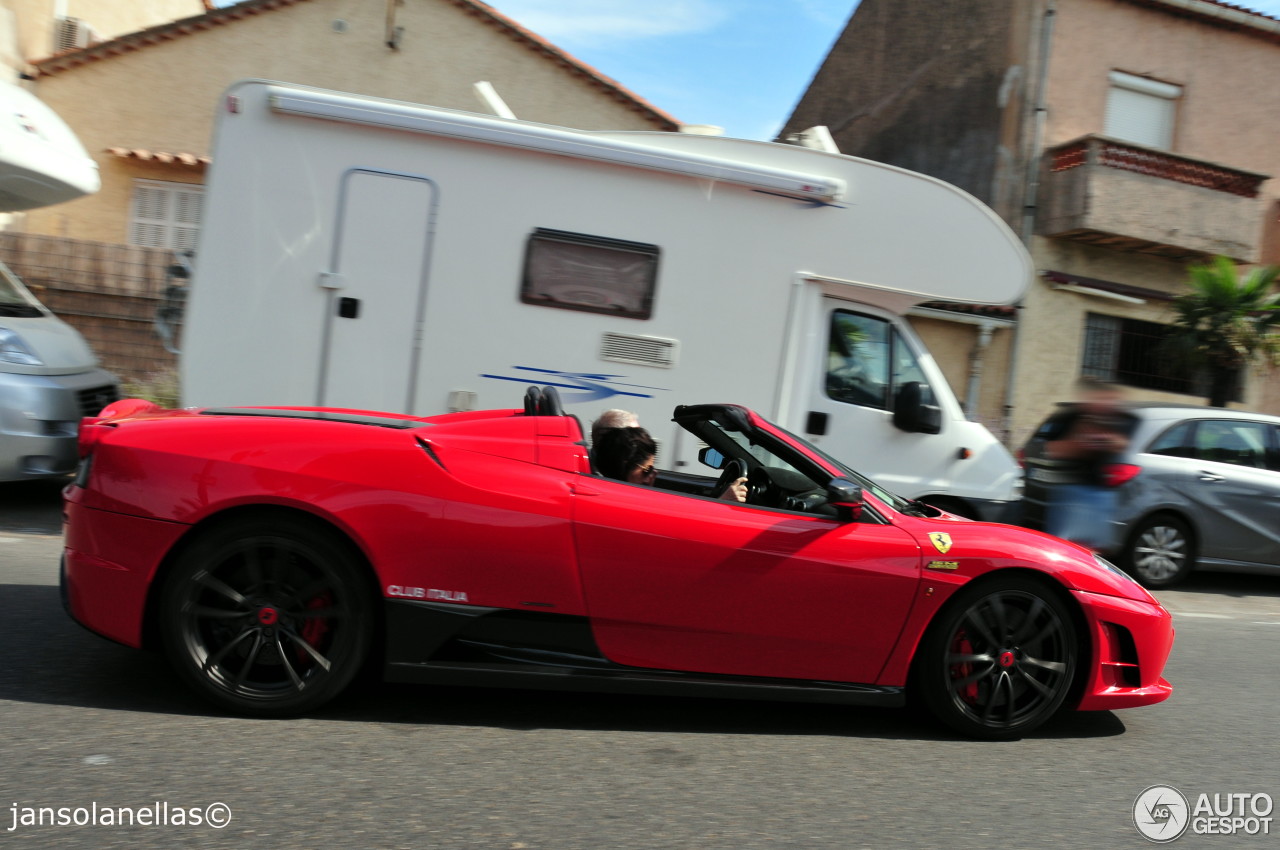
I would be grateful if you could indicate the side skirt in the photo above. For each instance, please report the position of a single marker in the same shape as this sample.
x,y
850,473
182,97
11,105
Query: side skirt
x,y
443,644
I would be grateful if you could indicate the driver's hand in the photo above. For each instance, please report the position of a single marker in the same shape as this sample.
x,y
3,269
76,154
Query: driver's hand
x,y
736,492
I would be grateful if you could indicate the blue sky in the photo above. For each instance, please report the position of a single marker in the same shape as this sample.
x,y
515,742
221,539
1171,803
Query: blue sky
x,y
740,64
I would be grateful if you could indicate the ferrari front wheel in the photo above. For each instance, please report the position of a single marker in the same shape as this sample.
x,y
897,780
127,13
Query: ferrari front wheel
x,y
267,616
1001,660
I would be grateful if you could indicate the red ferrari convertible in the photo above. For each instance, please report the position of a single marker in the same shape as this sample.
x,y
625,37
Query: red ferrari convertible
x,y
273,552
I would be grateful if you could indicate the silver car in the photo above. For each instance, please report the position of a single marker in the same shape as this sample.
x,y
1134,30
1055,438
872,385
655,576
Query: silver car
x,y
1199,488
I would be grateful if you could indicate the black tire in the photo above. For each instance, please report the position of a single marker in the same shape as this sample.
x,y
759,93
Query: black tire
x,y
1000,660
268,616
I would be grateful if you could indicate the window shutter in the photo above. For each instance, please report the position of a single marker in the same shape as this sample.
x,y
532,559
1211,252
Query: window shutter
x,y
1141,110
165,215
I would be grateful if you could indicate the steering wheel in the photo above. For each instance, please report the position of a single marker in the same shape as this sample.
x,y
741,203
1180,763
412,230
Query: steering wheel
x,y
762,489
733,470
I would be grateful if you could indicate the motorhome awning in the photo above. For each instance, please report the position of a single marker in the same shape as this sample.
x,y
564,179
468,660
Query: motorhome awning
x,y
181,159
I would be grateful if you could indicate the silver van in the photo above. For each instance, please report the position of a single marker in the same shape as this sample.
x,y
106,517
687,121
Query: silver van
x,y
49,380
1199,488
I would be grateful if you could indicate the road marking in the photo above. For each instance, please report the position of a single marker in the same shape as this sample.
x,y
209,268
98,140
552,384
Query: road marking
x,y
1203,615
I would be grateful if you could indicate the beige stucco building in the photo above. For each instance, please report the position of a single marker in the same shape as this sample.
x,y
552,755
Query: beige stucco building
x,y
1123,139
143,102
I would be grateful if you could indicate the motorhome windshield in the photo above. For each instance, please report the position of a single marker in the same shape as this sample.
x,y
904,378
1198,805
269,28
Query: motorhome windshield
x,y
14,300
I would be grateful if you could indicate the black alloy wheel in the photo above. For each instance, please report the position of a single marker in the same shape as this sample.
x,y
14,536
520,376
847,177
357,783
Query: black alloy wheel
x,y
1001,659
268,616
1159,553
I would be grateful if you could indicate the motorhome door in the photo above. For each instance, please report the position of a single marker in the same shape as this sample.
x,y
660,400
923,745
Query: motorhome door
x,y
866,359
377,289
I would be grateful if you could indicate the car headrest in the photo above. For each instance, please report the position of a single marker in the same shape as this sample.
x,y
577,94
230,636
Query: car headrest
x,y
532,401
550,404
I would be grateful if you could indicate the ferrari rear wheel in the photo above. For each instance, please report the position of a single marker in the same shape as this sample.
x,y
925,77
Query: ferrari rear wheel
x,y
268,616
1002,659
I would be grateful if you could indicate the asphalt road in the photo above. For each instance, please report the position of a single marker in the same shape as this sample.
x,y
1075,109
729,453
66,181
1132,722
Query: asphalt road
x,y
85,722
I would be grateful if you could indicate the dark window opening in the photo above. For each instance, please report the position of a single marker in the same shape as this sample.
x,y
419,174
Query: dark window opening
x,y
574,271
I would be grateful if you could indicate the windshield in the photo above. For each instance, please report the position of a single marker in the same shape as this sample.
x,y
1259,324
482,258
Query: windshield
x,y
893,500
729,431
14,300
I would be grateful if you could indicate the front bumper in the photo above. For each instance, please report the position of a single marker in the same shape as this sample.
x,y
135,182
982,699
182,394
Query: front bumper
x,y
1131,642
40,417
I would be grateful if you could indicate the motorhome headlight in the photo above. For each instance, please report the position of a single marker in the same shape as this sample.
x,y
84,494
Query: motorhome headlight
x,y
14,350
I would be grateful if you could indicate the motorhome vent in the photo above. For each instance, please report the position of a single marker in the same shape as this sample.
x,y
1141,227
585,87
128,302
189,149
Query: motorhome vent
x,y
643,350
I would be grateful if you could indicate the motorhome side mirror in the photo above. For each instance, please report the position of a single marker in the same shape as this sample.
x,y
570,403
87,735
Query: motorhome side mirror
x,y
712,458
846,497
911,414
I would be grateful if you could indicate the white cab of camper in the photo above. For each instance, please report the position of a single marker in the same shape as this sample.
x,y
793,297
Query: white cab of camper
x,y
49,377
376,254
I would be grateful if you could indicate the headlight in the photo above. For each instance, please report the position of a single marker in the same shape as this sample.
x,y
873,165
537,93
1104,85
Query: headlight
x,y
1107,565
14,350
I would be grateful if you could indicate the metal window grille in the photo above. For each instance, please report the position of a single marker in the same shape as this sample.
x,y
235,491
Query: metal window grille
x,y
1132,352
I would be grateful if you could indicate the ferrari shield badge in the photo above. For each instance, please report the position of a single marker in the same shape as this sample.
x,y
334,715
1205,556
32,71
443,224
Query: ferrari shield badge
x,y
941,541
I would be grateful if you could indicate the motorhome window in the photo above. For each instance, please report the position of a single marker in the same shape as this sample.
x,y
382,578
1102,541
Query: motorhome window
x,y
165,215
868,360
575,271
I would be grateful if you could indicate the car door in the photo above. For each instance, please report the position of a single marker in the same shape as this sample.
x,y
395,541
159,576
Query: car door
x,y
1237,494
682,582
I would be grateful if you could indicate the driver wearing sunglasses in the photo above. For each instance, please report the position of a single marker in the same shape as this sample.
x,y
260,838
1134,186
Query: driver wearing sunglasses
x,y
628,454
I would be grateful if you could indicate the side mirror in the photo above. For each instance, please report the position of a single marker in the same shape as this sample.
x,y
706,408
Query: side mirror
x,y
712,458
845,497
912,415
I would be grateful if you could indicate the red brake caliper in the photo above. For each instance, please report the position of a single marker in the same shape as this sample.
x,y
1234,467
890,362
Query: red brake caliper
x,y
961,646
315,628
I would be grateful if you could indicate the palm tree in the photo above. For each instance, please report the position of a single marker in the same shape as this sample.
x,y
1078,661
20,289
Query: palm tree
x,y
1226,322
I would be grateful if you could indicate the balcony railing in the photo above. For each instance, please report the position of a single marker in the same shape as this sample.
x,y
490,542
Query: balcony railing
x,y
1128,197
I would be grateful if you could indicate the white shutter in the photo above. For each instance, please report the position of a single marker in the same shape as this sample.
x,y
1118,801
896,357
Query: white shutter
x,y
165,215
1141,110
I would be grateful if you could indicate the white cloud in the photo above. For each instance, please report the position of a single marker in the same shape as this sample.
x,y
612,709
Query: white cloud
x,y
597,23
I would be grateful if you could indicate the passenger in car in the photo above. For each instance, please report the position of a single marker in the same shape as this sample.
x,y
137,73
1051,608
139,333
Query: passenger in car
x,y
613,418
629,454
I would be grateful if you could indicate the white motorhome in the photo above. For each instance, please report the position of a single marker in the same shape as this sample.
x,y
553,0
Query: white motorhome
x,y
366,253
49,378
